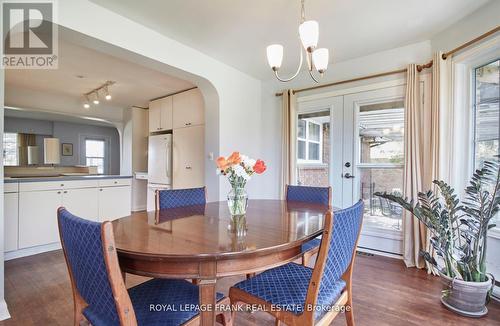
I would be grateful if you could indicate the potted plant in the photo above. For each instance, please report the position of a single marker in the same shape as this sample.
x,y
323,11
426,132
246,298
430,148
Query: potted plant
x,y
459,235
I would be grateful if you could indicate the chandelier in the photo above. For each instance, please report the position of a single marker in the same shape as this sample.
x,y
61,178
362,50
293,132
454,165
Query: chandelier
x,y
316,57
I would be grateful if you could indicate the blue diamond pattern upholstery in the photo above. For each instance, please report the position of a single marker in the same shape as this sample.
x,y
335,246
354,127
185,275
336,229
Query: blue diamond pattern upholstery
x,y
286,286
83,246
82,243
172,198
317,195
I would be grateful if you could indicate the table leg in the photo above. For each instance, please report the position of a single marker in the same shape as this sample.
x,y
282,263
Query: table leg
x,y
207,302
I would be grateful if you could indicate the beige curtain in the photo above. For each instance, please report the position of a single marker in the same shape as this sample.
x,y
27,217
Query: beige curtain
x,y
23,141
421,161
289,115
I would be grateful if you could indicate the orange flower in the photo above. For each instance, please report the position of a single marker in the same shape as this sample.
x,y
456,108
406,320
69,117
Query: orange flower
x,y
222,163
235,158
259,167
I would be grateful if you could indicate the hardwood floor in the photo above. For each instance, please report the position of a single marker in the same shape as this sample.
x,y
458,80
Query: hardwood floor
x,y
38,292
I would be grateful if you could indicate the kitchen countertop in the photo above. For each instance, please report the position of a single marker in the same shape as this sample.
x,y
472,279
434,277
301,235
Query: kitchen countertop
x,y
64,177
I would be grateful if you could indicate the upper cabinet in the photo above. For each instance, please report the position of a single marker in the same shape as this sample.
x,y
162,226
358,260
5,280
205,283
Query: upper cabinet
x,y
188,109
160,114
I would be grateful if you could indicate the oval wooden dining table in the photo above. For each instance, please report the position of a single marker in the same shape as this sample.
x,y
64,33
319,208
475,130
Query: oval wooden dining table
x,y
199,242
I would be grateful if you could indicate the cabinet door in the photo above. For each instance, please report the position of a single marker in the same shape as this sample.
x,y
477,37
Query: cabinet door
x,y
154,115
38,217
11,219
166,113
189,109
83,203
188,157
114,202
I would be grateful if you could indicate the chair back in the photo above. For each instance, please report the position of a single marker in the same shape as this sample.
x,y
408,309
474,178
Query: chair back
x,y
336,252
94,273
172,198
317,195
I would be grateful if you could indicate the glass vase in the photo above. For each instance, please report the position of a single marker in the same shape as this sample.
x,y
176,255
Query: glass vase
x,y
237,201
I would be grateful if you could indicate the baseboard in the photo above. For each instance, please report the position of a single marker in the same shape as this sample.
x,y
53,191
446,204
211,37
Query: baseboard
x,y
31,251
379,253
139,208
4,311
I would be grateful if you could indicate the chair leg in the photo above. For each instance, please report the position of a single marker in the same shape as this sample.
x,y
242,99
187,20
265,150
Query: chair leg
x,y
349,314
277,322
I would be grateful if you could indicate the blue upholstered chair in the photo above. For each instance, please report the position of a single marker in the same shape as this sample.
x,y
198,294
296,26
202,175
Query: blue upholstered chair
x,y
299,295
317,195
172,198
99,292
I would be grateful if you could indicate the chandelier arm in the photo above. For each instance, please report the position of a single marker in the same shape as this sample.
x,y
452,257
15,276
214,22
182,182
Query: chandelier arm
x,y
312,76
296,73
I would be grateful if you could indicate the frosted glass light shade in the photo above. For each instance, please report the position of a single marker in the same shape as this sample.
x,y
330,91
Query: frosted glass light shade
x,y
309,34
274,56
51,151
320,59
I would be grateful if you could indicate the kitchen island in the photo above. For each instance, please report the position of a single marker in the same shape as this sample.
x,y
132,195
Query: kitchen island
x,y
31,204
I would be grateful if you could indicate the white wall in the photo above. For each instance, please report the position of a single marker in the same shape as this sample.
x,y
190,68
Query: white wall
x,y
232,98
480,21
371,64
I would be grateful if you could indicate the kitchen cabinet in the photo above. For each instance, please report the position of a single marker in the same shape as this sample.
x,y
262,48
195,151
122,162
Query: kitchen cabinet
x,y
35,224
188,109
114,202
188,157
11,218
160,114
82,202
38,217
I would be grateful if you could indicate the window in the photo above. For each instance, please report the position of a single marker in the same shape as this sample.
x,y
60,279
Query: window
x,y
310,137
381,162
486,113
95,154
10,149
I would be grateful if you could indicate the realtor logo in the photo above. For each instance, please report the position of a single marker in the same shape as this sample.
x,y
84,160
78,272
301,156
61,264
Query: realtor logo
x,y
30,37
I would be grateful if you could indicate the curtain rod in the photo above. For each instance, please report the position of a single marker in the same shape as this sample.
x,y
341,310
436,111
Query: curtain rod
x,y
419,67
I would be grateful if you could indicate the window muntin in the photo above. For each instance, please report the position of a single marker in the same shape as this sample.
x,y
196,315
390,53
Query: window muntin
x,y
95,150
10,149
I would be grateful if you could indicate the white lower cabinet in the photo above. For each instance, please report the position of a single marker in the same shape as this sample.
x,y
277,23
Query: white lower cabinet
x,y
35,223
82,202
114,202
11,219
38,217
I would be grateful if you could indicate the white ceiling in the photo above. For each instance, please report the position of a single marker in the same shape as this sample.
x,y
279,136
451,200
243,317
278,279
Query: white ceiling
x,y
237,31
135,84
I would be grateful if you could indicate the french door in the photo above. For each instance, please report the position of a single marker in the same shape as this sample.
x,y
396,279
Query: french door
x,y
354,142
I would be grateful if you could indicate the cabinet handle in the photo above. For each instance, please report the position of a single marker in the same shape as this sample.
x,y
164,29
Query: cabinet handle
x,y
116,182
58,192
62,184
188,123
100,189
188,167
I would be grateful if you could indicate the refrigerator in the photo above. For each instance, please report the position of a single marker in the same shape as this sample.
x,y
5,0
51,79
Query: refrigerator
x,y
159,166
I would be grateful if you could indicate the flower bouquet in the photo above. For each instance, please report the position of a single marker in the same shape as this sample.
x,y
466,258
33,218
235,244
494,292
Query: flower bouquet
x,y
238,169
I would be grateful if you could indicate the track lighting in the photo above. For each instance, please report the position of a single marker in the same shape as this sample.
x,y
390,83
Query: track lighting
x,y
86,104
106,92
94,94
96,98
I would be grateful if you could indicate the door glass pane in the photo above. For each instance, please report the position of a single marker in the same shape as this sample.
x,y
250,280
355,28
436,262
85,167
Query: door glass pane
x,y
313,151
301,129
301,150
380,213
10,149
381,132
314,131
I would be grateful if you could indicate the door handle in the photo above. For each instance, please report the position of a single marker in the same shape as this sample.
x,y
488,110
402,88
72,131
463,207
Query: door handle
x,y
348,176
188,167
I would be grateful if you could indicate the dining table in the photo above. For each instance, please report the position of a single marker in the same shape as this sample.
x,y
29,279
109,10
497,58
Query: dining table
x,y
204,243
